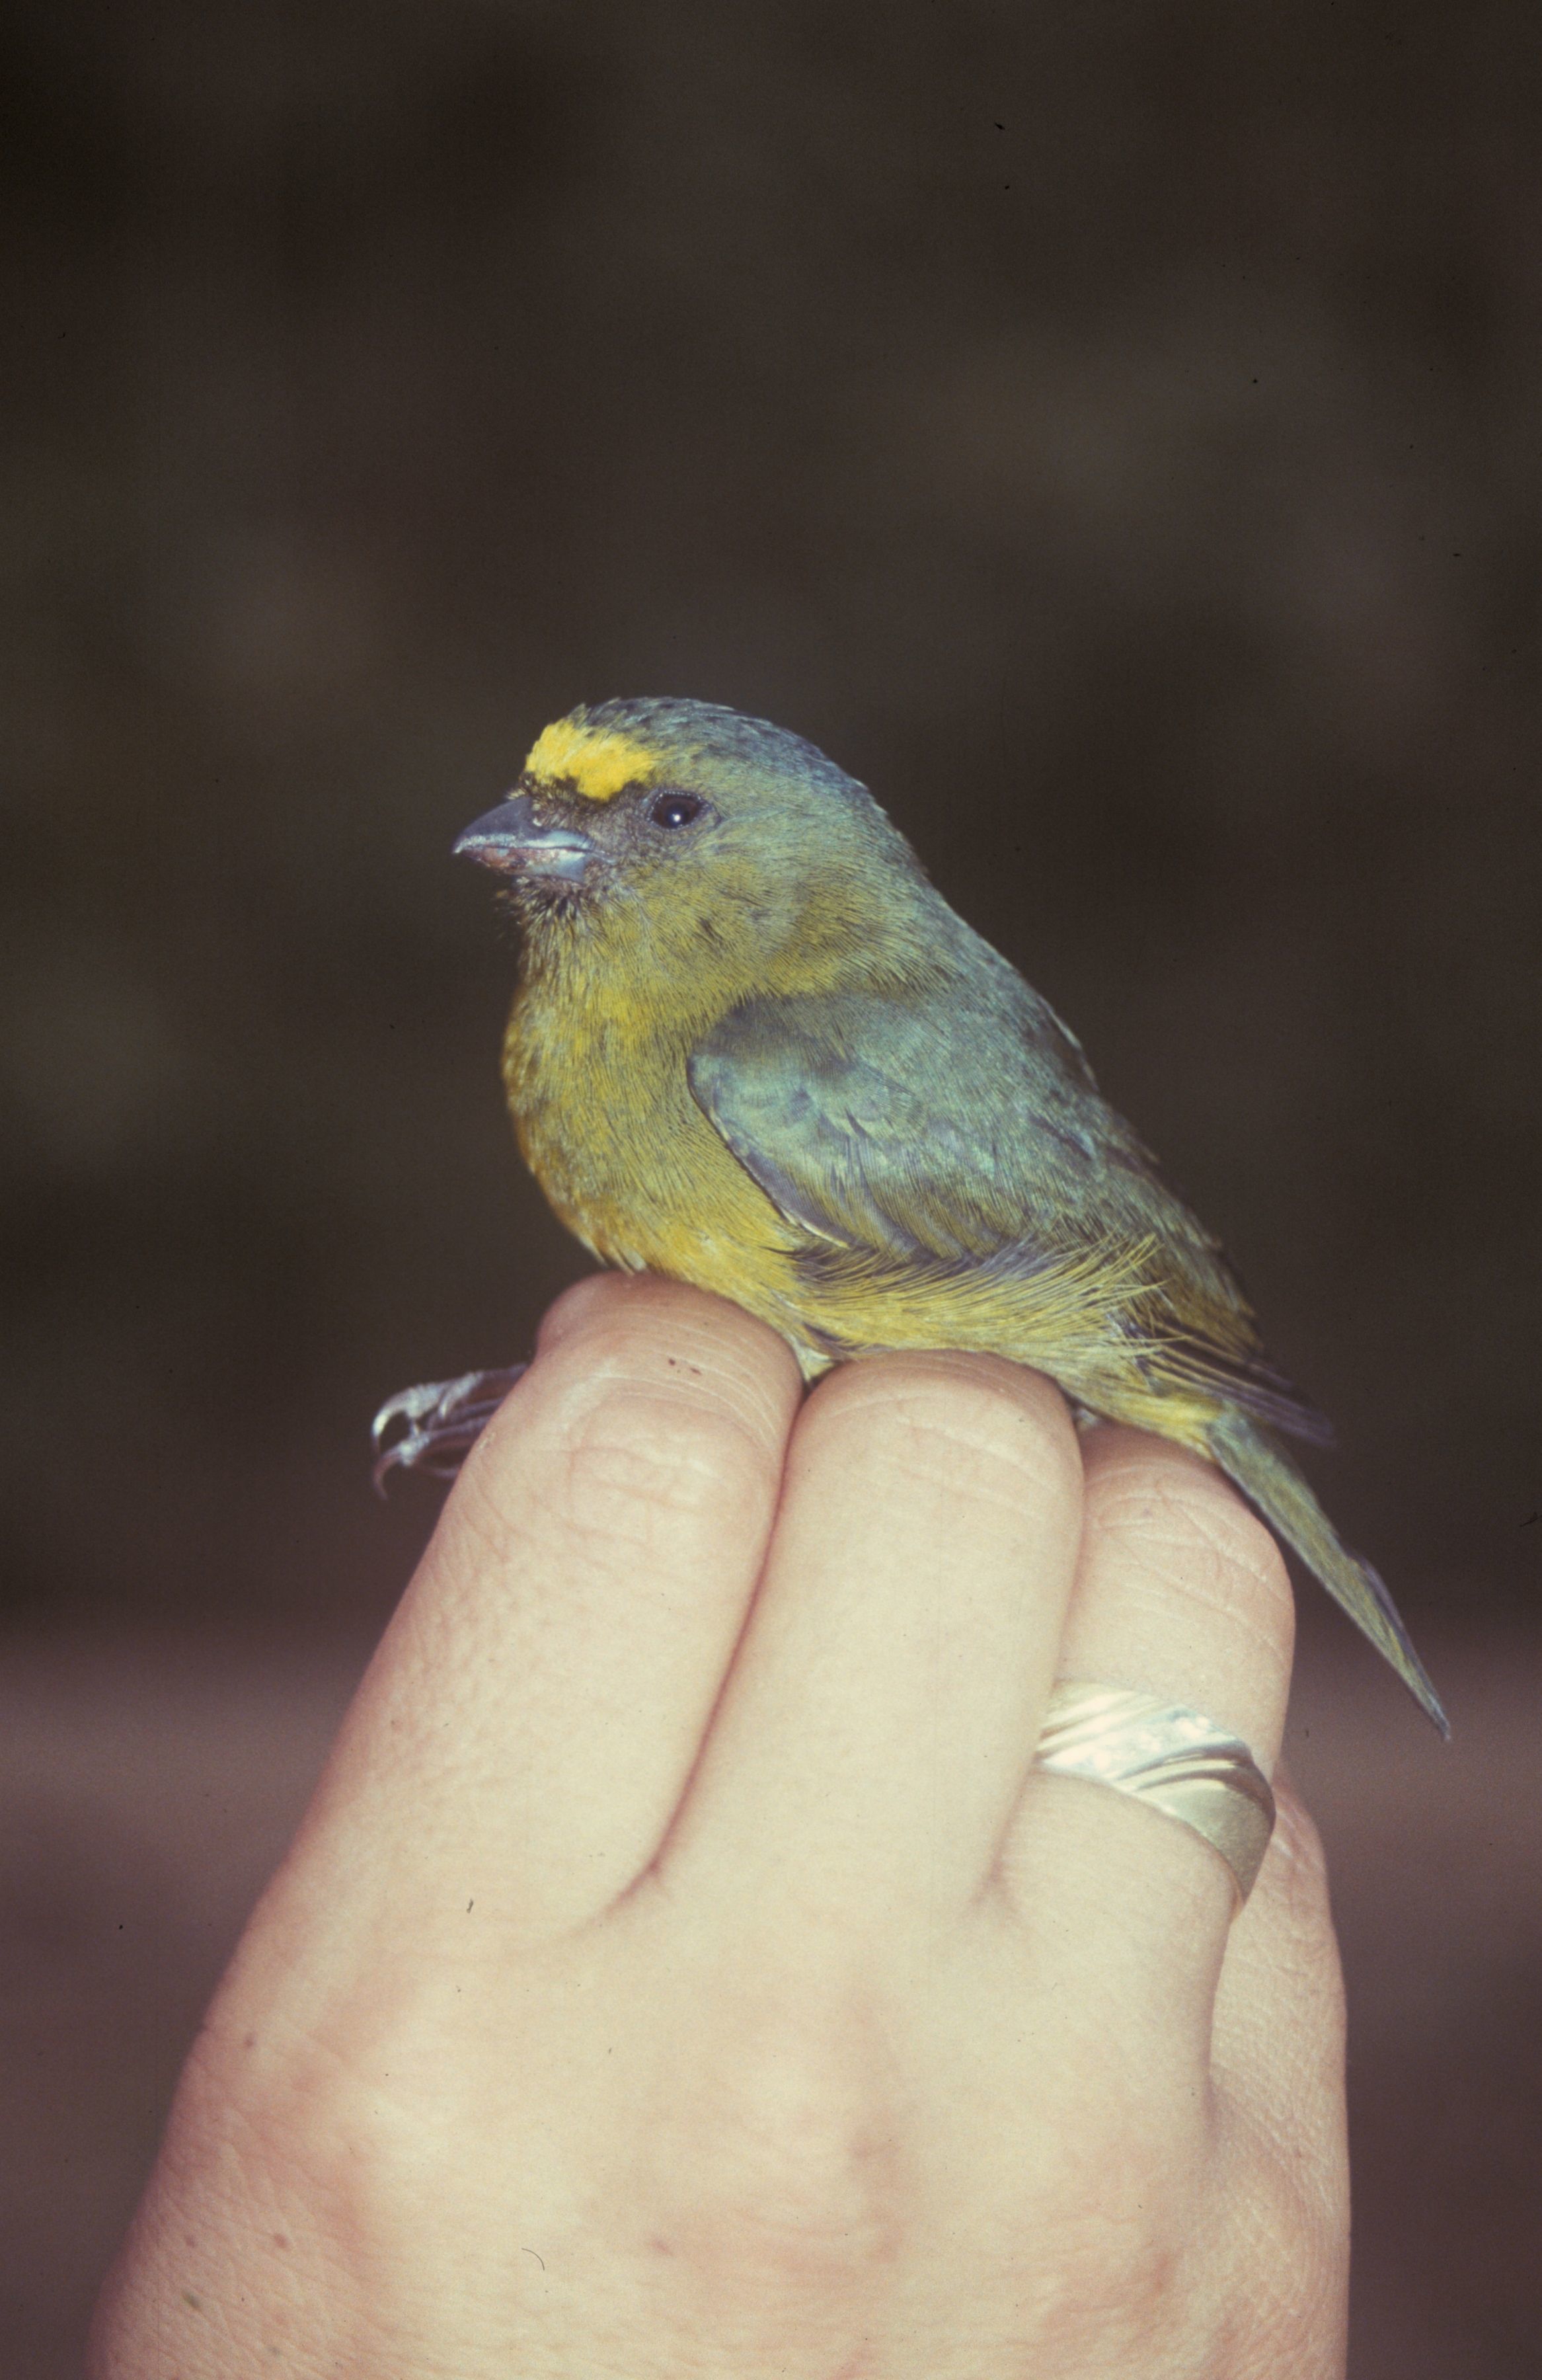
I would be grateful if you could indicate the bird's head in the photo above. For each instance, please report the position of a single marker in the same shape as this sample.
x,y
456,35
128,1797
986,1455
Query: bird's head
x,y
691,826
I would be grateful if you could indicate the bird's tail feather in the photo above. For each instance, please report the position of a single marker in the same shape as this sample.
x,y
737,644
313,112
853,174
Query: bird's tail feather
x,y
1270,1479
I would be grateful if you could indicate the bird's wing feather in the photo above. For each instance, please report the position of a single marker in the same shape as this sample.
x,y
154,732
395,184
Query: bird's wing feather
x,y
856,1124
961,1131
941,1129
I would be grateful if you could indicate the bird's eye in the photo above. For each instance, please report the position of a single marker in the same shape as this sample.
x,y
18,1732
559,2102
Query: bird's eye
x,y
676,810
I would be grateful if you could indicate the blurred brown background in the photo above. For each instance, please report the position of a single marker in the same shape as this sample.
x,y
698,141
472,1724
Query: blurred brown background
x,y
1112,431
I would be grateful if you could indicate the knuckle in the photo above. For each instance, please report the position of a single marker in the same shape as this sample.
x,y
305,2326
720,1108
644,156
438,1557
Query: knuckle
x,y
683,1348
1122,2184
619,1458
1117,2288
596,1294
643,1322
782,2158
284,2104
634,1453
1197,1538
971,1425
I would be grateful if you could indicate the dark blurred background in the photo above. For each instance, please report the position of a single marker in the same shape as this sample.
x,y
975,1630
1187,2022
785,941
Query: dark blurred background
x,y
1112,431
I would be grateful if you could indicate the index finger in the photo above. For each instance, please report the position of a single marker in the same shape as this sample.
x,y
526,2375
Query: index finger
x,y
525,1731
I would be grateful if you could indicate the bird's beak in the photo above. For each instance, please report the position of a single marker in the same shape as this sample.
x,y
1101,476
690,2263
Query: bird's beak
x,y
510,840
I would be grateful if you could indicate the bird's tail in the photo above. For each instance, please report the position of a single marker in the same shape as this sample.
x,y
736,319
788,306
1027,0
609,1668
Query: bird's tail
x,y
1270,1479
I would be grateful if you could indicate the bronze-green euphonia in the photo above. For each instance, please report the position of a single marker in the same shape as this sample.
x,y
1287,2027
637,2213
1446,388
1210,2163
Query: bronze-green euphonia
x,y
753,1047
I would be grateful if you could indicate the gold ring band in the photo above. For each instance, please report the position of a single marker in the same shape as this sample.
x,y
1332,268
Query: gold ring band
x,y
1175,1760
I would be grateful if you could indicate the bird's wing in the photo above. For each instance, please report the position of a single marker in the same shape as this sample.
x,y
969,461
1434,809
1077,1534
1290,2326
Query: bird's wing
x,y
874,1129
961,1133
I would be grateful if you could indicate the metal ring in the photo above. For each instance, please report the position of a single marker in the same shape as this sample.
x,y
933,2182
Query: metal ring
x,y
1175,1760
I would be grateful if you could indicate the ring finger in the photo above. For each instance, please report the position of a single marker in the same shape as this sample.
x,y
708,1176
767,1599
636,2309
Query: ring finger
x,y
1180,1594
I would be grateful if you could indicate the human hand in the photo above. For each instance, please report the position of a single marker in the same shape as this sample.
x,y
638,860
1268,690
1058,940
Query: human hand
x,y
679,1969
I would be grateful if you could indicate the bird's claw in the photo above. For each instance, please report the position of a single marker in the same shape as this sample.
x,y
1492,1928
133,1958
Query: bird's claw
x,y
439,1422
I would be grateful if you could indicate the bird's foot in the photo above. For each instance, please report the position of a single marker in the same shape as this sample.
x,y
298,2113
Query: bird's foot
x,y
438,1422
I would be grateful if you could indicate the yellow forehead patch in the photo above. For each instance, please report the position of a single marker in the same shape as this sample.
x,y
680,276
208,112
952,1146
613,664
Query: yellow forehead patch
x,y
596,760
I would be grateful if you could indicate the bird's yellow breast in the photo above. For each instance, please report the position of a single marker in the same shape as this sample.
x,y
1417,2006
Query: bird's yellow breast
x,y
607,1124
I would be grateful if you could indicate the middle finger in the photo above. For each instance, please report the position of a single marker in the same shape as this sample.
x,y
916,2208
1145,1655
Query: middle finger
x,y
882,1710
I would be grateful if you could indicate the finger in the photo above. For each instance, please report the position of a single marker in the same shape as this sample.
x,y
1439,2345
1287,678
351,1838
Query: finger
x,y
1278,2039
1278,2065
1182,1594
527,1725
883,1707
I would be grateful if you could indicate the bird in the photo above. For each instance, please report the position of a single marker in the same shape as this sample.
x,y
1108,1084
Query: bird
x,y
753,1047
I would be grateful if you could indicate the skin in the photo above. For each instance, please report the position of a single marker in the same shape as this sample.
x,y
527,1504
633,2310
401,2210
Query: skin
x,y
637,1999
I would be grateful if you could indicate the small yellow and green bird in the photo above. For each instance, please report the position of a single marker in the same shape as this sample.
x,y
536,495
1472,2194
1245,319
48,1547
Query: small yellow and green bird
x,y
753,1047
